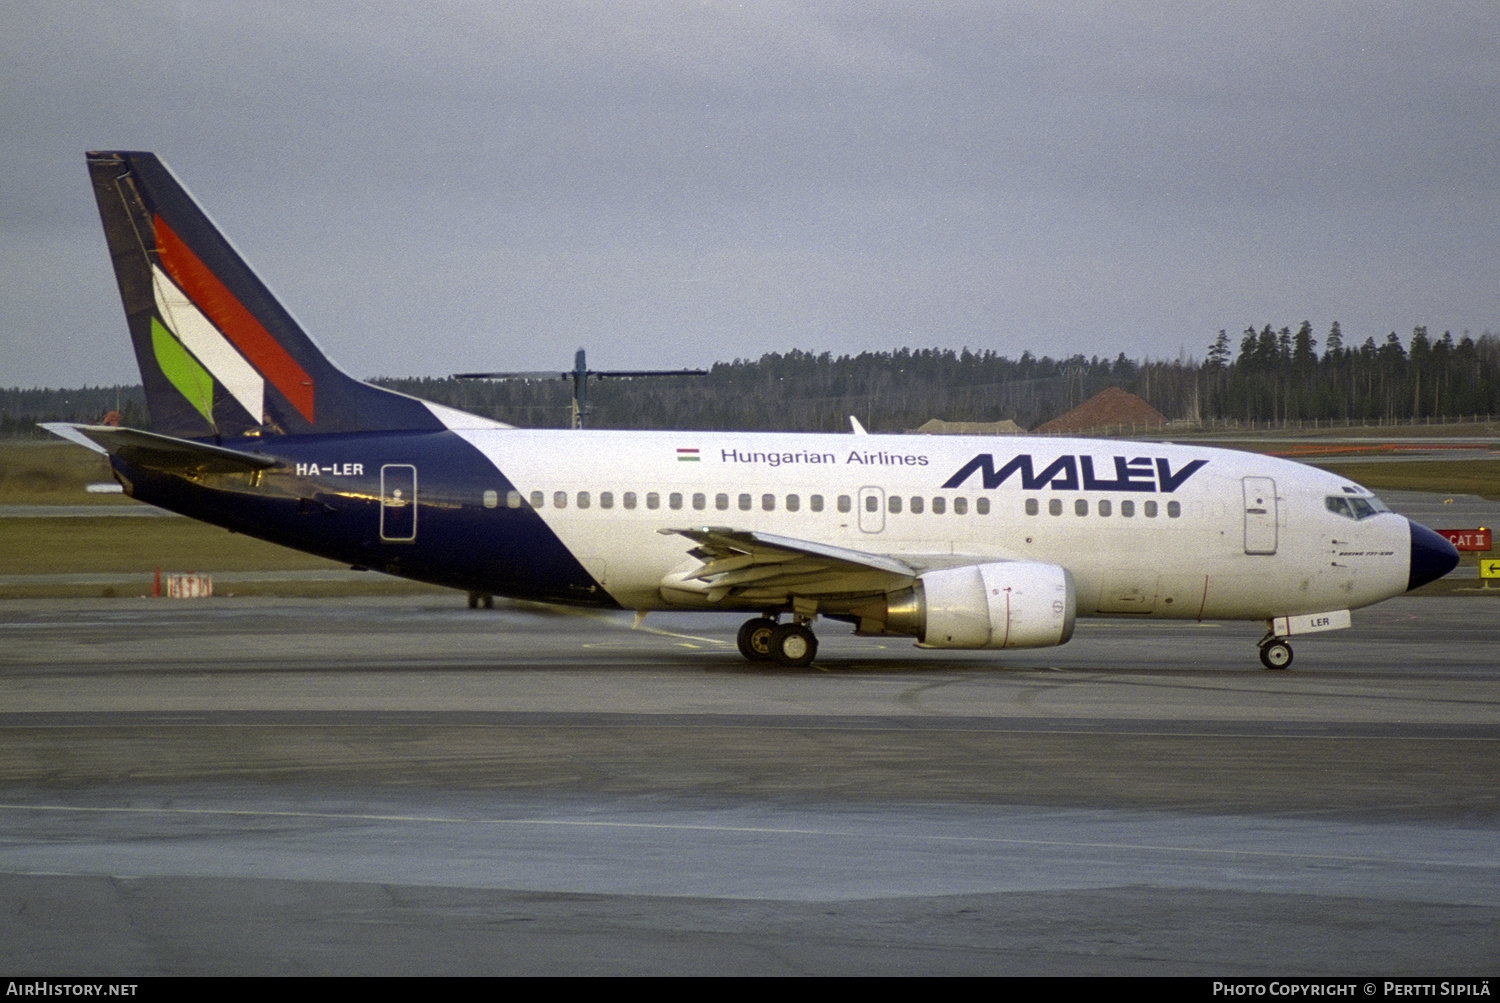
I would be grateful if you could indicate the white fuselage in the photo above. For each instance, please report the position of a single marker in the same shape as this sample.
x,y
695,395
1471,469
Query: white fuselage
x,y
1163,530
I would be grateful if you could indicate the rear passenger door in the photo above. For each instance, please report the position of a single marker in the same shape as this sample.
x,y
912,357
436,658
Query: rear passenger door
x,y
398,502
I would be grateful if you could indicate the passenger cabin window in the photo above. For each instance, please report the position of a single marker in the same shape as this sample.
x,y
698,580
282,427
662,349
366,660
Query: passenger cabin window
x,y
538,499
845,504
916,505
653,500
793,503
1054,506
1032,506
768,503
674,500
1080,506
1148,510
606,499
700,501
628,499
559,499
893,503
981,506
583,499
745,502
721,501
939,505
960,506
1127,508
815,503
1105,508
1174,509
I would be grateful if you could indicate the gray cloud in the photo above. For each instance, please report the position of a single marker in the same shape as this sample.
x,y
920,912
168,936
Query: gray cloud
x,y
470,185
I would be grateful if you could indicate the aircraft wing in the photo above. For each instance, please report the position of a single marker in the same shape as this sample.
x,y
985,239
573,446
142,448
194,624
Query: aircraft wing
x,y
761,567
160,452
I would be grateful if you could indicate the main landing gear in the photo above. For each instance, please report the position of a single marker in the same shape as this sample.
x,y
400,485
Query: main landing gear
x,y
764,640
1274,652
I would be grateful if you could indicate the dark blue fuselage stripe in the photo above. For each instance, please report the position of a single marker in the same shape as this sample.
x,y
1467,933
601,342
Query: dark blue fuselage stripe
x,y
335,512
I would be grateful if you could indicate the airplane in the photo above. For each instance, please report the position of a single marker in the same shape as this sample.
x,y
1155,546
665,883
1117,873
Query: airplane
x,y
957,542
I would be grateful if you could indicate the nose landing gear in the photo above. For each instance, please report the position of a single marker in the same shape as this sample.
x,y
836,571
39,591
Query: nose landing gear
x,y
1275,653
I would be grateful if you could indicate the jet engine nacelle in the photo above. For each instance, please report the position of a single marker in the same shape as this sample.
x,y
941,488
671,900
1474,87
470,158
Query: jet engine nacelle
x,y
1014,604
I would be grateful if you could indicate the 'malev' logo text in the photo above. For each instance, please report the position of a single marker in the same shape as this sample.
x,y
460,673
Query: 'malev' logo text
x,y
1075,473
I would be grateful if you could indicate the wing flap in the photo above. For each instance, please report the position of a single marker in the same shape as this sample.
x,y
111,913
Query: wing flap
x,y
752,567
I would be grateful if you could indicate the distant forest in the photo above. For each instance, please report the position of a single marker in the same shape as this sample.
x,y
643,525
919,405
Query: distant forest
x,y
1266,375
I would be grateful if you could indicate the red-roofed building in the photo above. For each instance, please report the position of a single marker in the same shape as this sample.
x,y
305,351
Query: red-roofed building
x,y
1112,407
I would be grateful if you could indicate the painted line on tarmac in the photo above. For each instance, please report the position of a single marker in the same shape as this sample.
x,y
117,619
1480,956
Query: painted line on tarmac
x,y
1206,851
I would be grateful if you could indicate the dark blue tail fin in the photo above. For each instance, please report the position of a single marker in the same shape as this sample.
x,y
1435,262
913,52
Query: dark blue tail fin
x,y
219,356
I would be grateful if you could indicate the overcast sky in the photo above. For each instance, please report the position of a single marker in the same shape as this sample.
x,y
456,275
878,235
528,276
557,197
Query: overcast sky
x,y
440,187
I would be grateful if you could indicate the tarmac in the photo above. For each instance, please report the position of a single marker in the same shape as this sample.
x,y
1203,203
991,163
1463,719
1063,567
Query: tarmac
x,y
406,786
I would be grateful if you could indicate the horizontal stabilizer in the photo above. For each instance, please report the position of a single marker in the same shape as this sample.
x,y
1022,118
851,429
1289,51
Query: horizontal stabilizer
x,y
160,452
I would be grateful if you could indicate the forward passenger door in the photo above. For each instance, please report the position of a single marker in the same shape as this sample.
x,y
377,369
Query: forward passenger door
x,y
1260,515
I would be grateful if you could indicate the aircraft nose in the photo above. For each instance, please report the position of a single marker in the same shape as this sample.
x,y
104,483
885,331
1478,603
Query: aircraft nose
x,y
1432,557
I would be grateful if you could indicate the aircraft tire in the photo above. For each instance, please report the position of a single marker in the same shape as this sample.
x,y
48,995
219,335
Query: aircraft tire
x,y
755,639
793,645
1276,654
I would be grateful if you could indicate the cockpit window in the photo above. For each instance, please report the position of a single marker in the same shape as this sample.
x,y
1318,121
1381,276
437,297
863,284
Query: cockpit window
x,y
1355,508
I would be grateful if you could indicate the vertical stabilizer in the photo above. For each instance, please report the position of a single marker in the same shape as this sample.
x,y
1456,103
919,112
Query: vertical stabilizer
x,y
219,356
